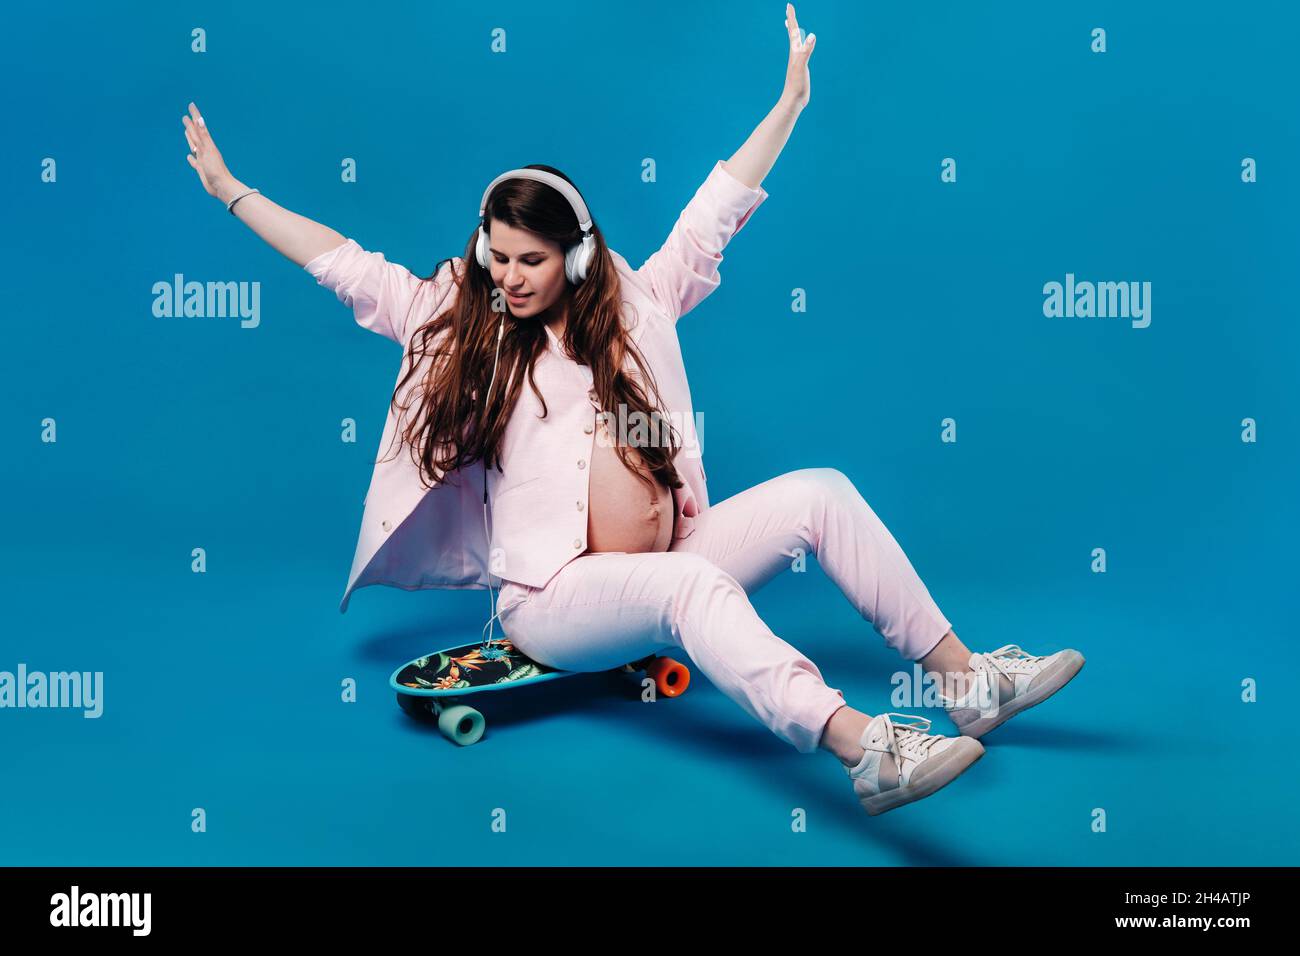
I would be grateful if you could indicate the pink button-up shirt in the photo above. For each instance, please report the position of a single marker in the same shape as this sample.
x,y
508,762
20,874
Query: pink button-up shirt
x,y
414,538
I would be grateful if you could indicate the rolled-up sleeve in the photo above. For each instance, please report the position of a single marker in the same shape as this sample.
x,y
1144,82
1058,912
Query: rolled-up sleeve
x,y
685,269
379,292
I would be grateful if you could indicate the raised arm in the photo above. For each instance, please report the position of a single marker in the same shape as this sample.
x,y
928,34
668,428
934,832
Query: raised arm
x,y
755,158
379,292
685,269
294,236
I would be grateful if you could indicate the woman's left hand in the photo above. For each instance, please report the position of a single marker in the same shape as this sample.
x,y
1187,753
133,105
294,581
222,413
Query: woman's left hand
x,y
798,86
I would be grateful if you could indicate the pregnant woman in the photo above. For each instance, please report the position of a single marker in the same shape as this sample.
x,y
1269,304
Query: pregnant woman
x,y
543,386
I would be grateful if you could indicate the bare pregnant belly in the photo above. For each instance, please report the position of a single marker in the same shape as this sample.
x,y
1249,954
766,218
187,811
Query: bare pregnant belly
x,y
623,514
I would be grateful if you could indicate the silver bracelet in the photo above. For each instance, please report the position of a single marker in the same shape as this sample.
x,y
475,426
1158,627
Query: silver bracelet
x,y
230,206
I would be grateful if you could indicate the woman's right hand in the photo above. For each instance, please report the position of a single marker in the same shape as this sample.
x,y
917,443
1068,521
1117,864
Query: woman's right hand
x,y
296,237
205,157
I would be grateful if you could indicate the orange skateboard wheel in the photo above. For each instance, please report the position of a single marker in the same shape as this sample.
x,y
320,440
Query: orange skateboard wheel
x,y
671,678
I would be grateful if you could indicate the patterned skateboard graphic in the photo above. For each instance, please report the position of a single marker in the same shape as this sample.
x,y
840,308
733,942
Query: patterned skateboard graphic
x,y
470,666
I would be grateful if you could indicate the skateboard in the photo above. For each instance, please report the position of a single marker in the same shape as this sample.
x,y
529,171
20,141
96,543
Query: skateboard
x,y
436,683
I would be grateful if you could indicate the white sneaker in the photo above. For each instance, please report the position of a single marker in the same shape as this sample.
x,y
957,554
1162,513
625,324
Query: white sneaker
x,y
902,763
1006,682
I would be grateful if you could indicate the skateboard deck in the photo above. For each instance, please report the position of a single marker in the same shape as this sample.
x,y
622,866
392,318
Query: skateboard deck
x,y
436,682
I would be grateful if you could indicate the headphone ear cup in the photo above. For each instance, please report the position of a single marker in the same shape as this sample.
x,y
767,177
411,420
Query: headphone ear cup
x,y
481,249
573,270
577,261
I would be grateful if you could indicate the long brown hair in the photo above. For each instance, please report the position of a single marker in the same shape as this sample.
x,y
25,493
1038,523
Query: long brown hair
x,y
451,427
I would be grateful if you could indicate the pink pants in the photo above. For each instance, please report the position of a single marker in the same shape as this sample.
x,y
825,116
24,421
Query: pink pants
x,y
605,609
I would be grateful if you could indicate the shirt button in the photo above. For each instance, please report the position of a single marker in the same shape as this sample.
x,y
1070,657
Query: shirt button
x,y
582,463
577,542
386,526
579,505
586,430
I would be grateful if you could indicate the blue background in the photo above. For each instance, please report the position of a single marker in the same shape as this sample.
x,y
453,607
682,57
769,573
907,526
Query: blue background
x,y
924,302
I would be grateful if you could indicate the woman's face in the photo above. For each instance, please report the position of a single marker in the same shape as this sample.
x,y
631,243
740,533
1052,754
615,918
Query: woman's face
x,y
528,265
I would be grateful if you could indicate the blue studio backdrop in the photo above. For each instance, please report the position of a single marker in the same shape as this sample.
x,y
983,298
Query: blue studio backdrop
x,y
1124,485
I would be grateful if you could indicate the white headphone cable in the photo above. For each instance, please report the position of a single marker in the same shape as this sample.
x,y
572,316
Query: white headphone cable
x,y
490,626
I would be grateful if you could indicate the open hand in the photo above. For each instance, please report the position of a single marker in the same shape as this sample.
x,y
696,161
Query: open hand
x,y
204,155
798,86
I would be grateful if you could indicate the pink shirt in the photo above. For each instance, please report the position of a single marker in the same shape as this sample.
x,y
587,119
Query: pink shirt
x,y
414,538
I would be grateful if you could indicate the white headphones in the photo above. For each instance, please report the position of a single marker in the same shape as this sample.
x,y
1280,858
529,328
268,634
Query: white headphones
x,y
577,262
578,257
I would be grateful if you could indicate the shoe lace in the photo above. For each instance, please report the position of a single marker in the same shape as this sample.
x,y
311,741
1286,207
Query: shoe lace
x,y
909,740
1010,659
